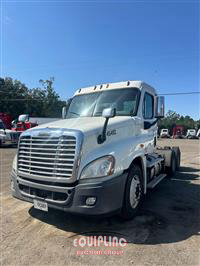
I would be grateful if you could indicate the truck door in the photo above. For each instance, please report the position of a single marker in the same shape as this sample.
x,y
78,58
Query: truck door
x,y
148,116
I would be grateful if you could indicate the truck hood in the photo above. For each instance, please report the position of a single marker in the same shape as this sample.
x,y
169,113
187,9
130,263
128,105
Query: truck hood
x,y
86,124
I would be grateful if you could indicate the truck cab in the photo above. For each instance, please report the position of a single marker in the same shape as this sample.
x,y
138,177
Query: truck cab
x,y
101,158
23,123
198,133
164,133
191,134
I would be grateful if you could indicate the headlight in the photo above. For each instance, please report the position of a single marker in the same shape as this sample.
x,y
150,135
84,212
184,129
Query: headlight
x,y
101,167
14,165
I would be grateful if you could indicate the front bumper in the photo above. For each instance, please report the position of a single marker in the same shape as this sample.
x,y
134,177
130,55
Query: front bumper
x,y
109,193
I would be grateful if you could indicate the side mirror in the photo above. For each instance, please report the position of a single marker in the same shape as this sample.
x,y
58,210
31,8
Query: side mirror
x,y
160,107
65,108
109,112
64,112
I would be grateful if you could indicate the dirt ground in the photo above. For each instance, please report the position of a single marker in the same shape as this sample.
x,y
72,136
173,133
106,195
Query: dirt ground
x,y
165,232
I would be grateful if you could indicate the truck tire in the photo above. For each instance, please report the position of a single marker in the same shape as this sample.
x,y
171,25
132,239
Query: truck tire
x,y
133,193
171,170
178,157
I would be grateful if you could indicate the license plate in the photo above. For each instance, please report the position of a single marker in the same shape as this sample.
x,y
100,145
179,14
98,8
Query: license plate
x,y
41,205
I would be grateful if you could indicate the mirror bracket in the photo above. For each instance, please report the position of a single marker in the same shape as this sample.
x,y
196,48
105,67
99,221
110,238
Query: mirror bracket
x,y
101,138
107,114
148,125
65,108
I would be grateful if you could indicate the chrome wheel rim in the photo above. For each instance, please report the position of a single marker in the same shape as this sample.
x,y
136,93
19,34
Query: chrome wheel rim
x,y
135,191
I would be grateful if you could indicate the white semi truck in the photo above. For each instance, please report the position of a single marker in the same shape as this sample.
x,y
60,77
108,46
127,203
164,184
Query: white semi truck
x,y
7,136
191,134
198,133
164,133
101,159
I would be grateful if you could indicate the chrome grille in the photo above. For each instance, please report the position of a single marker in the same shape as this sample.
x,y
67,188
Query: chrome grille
x,y
47,156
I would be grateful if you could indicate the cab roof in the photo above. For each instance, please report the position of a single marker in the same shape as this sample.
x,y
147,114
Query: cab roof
x,y
117,85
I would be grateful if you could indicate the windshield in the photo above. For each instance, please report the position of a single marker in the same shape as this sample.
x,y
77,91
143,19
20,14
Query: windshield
x,y
1,125
124,100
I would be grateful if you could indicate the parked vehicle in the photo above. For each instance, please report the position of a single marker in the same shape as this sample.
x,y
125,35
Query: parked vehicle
x,y
191,134
198,133
6,119
23,123
164,133
178,132
7,136
101,158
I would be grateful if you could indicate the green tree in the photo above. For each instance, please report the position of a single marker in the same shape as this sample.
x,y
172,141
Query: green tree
x,y
12,96
16,98
172,119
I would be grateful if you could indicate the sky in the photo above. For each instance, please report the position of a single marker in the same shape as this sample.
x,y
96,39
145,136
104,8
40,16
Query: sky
x,y
83,43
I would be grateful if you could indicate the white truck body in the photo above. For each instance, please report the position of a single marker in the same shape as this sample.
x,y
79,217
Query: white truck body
x,y
191,132
7,136
164,133
129,140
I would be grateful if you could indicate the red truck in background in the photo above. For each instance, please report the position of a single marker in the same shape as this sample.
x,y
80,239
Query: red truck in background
x,y
6,119
23,123
178,132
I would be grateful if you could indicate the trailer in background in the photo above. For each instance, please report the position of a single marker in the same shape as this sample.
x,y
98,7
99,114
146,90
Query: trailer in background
x,y
178,132
6,119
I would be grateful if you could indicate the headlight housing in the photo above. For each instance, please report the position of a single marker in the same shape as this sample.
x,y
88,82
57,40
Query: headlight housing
x,y
101,167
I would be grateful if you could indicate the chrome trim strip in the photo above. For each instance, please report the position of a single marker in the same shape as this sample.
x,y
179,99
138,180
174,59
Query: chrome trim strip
x,y
45,163
45,168
43,173
44,178
44,149
47,158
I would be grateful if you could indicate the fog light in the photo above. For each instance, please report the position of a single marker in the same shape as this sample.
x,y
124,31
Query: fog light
x,y
90,201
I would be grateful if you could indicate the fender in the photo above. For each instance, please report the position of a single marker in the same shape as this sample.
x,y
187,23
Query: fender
x,y
141,161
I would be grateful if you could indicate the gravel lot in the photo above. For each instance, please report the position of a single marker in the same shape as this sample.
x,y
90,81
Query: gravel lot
x,y
165,232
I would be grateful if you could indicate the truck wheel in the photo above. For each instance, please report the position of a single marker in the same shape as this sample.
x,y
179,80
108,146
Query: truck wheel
x,y
133,193
178,157
171,170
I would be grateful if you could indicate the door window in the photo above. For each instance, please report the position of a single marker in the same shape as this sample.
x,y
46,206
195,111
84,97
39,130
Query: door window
x,y
148,105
